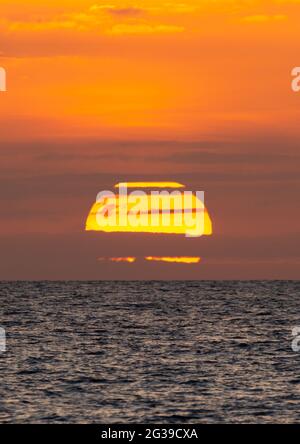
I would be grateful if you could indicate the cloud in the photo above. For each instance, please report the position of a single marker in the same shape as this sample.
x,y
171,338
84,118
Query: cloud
x,y
174,259
263,18
92,19
129,259
95,8
172,8
75,21
146,29
130,11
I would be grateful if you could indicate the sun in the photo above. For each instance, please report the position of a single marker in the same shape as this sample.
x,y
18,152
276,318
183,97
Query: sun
x,y
150,207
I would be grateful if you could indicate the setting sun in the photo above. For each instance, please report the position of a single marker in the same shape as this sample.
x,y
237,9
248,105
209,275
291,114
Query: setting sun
x,y
157,212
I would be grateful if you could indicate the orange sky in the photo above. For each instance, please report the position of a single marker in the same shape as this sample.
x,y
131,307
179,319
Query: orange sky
x,y
149,68
194,91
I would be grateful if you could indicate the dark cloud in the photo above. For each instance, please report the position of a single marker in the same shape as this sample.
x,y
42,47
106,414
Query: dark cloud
x,y
231,157
74,257
255,212
126,12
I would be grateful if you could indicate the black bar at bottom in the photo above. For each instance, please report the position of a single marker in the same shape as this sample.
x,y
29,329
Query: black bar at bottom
x,y
130,433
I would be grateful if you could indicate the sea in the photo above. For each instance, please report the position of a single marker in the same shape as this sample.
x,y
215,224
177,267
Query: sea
x,y
162,352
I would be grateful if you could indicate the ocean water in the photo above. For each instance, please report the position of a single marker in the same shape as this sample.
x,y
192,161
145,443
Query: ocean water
x,y
149,352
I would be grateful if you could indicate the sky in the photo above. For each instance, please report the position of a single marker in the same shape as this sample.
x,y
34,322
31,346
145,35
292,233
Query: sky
x,y
192,91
